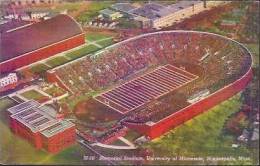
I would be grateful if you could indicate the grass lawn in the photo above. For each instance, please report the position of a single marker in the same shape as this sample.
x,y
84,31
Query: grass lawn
x,y
58,7
70,7
57,61
93,10
73,102
106,43
32,94
231,17
96,36
16,150
12,148
6,103
132,135
94,92
254,49
202,136
118,142
237,13
81,52
70,156
213,29
53,91
128,24
39,68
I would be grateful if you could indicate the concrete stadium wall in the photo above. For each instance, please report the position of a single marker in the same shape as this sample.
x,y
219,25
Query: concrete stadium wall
x,y
193,110
42,53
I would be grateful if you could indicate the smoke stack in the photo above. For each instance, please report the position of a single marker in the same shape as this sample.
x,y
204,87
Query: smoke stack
x,y
204,3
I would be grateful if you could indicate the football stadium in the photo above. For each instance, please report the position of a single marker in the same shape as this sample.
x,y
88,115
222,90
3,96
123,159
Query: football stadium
x,y
27,43
159,80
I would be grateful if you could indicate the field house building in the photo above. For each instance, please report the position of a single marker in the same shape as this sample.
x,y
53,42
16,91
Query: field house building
x,y
38,125
31,42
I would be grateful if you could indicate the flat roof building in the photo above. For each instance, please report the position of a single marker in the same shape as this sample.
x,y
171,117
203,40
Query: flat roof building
x,y
110,14
28,43
123,7
32,122
23,106
162,16
150,11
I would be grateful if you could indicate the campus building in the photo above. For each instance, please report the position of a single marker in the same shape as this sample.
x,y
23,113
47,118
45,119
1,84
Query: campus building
x,y
36,124
124,8
32,2
157,15
110,14
9,81
163,16
31,42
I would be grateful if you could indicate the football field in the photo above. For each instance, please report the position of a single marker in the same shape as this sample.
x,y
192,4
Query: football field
x,y
148,87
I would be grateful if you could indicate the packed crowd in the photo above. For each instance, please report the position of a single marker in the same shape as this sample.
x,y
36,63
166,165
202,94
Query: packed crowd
x,y
145,114
222,61
219,57
113,134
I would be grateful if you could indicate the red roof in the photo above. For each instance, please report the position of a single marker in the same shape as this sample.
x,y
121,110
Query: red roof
x,y
12,25
29,38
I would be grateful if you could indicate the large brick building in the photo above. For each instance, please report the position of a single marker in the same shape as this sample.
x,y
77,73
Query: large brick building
x,y
37,125
23,45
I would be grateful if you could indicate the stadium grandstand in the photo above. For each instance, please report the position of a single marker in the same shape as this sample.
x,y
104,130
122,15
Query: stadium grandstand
x,y
184,63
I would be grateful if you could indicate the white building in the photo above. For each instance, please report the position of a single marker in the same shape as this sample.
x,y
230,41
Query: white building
x,y
28,16
110,14
163,16
27,2
8,80
38,14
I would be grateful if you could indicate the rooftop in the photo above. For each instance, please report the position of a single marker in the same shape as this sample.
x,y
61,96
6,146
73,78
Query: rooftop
x,y
150,10
23,106
35,119
38,119
8,25
123,7
57,128
17,42
228,22
154,10
107,12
